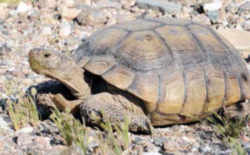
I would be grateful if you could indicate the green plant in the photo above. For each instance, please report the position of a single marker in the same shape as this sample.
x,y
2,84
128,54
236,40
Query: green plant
x,y
229,129
23,112
72,131
115,139
117,136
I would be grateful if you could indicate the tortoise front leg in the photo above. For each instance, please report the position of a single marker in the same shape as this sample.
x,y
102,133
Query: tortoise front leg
x,y
101,108
62,104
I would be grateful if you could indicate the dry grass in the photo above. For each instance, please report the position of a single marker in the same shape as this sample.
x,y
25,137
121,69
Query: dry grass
x,y
74,133
23,112
229,130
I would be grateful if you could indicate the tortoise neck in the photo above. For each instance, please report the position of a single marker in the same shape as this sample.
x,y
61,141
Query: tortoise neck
x,y
73,79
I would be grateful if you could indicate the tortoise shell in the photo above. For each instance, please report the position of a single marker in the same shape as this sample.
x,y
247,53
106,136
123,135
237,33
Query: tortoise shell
x,y
180,69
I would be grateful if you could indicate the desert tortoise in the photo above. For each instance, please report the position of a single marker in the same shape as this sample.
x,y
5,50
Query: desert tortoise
x,y
168,70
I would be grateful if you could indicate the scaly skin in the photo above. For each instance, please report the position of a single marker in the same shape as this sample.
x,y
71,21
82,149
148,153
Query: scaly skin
x,y
96,109
63,69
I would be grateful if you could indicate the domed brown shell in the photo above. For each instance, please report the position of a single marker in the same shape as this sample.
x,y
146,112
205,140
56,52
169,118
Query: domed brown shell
x,y
182,70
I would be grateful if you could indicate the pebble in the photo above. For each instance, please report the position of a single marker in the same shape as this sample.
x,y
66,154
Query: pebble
x,y
213,15
46,30
108,4
25,130
23,7
70,13
65,29
246,25
214,6
4,11
68,3
92,17
163,5
5,123
126,4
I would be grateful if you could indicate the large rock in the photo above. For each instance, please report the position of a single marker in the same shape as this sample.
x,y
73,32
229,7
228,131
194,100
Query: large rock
x,y
162,5
239,38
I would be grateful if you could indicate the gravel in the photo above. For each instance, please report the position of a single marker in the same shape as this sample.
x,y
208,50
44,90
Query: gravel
x,y
61,25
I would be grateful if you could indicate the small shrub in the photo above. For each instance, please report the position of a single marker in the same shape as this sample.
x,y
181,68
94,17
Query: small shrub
x,y
114,140
229,129
72,131
117,137
23,112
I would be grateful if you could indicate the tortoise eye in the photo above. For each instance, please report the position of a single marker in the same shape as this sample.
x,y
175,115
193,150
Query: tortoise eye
x,y
46,55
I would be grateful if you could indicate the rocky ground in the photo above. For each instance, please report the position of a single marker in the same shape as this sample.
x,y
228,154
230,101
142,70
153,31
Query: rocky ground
x,y
61,25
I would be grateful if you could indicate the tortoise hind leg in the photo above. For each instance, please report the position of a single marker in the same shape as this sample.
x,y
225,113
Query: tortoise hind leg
x,y
98,109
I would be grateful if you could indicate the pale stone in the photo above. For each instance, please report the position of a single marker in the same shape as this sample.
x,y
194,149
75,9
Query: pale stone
x,y
46,31
65,29
25,130
239,38
70,13
163,5
69,3
214,6
3,11
23,7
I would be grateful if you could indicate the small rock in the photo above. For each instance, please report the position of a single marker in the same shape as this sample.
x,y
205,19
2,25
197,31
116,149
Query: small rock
x,y
70,13
85,2
46,30
68,3
205,149
65,29
213,15
108,4
4,12
212,9
51,3
5,123
185,13
44,142
25,130
163,5
93,17
48,4
127,3
214,6
246,25
23,7
159,141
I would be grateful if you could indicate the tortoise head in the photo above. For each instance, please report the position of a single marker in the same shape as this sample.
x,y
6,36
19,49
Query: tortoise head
x,y
60,67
